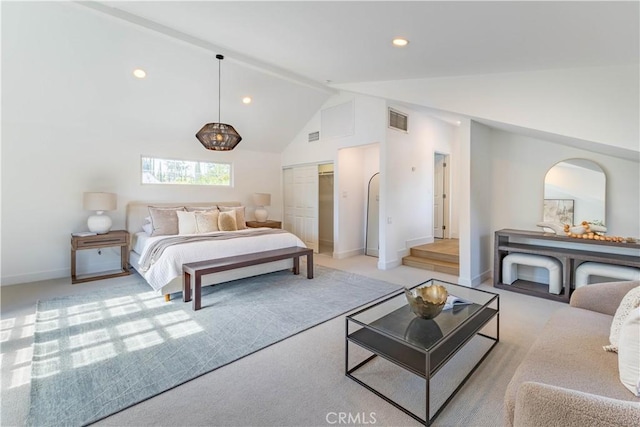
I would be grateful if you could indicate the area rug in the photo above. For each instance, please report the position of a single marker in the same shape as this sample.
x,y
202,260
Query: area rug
x,y
98,354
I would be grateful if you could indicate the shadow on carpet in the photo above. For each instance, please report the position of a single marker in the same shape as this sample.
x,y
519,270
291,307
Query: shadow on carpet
x,y
95,355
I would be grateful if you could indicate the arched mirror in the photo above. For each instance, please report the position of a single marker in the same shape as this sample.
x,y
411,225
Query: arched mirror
x,y
574,191
373,216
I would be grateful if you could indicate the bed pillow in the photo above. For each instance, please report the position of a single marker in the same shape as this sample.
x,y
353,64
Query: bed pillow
x,y
630,301
201,208
227,221
629,352
206,222
186,222
146,225
240,218
164,220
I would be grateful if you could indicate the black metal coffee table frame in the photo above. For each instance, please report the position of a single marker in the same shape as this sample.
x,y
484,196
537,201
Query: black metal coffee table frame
x,y
423,362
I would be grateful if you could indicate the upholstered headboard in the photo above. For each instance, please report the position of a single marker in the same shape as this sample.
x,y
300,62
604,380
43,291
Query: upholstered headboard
x,y
138,211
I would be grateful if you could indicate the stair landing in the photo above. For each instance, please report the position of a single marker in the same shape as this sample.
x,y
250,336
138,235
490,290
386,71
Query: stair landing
x,y
441,256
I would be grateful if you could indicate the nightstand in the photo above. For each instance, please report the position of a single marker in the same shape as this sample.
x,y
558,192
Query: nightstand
x,y
267,223
99,241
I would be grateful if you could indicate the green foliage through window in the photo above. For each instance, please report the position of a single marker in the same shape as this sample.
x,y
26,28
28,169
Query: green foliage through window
x,y
168,171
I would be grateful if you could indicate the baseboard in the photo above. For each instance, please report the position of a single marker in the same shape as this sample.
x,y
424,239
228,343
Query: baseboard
x,y
36,277
478,280
325,242
419,241
389,264
59,273
372,252
348,254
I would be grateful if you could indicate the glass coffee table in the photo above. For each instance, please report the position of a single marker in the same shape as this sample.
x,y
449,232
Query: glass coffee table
x,y
441,353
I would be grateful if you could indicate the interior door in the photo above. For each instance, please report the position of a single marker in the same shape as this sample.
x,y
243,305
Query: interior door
x,y
301,204
438,195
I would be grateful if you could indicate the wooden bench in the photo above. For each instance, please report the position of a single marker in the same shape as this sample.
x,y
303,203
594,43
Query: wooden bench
x,y
194,271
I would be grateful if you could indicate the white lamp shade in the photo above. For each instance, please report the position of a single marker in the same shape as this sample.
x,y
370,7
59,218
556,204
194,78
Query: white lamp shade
x,y
99,201
261,199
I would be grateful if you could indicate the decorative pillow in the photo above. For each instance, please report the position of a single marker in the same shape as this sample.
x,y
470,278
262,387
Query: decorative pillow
x,y
629,352
630,301
240,218
206,222
201,208
147,228
146,225
164,220
186,222
227,221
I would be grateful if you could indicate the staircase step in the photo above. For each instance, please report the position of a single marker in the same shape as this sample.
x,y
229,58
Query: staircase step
x,y
432,264
422,252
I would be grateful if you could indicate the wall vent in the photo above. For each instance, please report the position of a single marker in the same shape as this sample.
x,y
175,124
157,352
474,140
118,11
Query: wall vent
x,y
314,136
398,120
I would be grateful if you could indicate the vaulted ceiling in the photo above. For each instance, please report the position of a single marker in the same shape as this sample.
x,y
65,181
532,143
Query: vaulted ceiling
x,y
303,48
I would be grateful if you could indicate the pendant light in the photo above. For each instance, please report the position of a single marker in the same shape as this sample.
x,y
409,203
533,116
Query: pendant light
x,y
218,136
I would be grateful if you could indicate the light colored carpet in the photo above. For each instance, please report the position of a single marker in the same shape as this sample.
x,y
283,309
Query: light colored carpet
x,y
298,382
97,354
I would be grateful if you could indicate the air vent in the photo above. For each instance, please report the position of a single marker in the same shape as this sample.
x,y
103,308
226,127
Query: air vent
x,y
314,136
398,120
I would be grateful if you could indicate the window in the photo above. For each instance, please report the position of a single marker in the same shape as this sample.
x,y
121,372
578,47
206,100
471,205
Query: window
x,y
169,171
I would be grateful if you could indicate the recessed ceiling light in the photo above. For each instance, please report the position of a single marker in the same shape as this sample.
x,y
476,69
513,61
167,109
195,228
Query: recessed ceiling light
x,y
246,100
400,42
139,73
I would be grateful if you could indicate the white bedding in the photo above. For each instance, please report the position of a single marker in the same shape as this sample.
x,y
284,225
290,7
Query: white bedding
x,y
169,265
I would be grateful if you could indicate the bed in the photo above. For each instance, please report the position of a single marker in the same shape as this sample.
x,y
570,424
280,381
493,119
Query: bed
x,y
164,274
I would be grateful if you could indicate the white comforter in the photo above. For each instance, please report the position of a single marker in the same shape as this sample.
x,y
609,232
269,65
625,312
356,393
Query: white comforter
x,y
169,264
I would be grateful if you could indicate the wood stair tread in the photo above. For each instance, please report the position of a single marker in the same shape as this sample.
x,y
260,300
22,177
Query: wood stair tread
x,y
431,261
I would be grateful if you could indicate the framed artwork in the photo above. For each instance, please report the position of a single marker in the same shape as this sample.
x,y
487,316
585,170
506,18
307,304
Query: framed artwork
x,y
558,210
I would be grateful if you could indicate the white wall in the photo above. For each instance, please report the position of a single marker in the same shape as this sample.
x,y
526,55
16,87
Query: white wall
x,y
481,233
75,120
594,104
406,169
519,165
350,165
350,203
408,176
369,128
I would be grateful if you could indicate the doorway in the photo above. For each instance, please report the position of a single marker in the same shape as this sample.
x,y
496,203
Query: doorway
x,y
309,205
441,196
325,209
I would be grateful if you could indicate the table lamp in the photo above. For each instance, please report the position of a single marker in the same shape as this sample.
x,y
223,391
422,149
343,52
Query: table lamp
x,y
261,200
99,202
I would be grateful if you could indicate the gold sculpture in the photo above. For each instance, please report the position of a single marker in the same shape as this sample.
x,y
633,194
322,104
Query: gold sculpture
x,y
428,301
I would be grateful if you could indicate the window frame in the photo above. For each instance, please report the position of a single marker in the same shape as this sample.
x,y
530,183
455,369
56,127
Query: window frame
x,y
230,164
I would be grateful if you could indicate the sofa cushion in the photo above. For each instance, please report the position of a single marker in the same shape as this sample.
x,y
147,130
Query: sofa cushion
x,y
546,405
568,354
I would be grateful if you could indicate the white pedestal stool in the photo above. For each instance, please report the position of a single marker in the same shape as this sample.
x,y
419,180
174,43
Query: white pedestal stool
x,y
615,272
510,269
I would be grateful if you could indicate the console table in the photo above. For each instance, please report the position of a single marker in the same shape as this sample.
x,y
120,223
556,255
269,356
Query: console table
x,y
571,252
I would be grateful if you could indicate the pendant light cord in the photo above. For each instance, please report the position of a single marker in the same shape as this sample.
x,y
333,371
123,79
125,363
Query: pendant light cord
x,y
219,94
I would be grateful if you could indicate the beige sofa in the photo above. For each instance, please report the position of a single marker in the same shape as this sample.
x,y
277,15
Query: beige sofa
x,y
566,378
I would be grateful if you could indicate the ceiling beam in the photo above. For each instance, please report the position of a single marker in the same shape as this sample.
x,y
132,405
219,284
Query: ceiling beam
x,y
230,55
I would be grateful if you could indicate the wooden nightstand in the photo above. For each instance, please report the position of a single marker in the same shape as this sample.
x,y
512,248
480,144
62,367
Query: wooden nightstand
x,y
99,241
267,223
